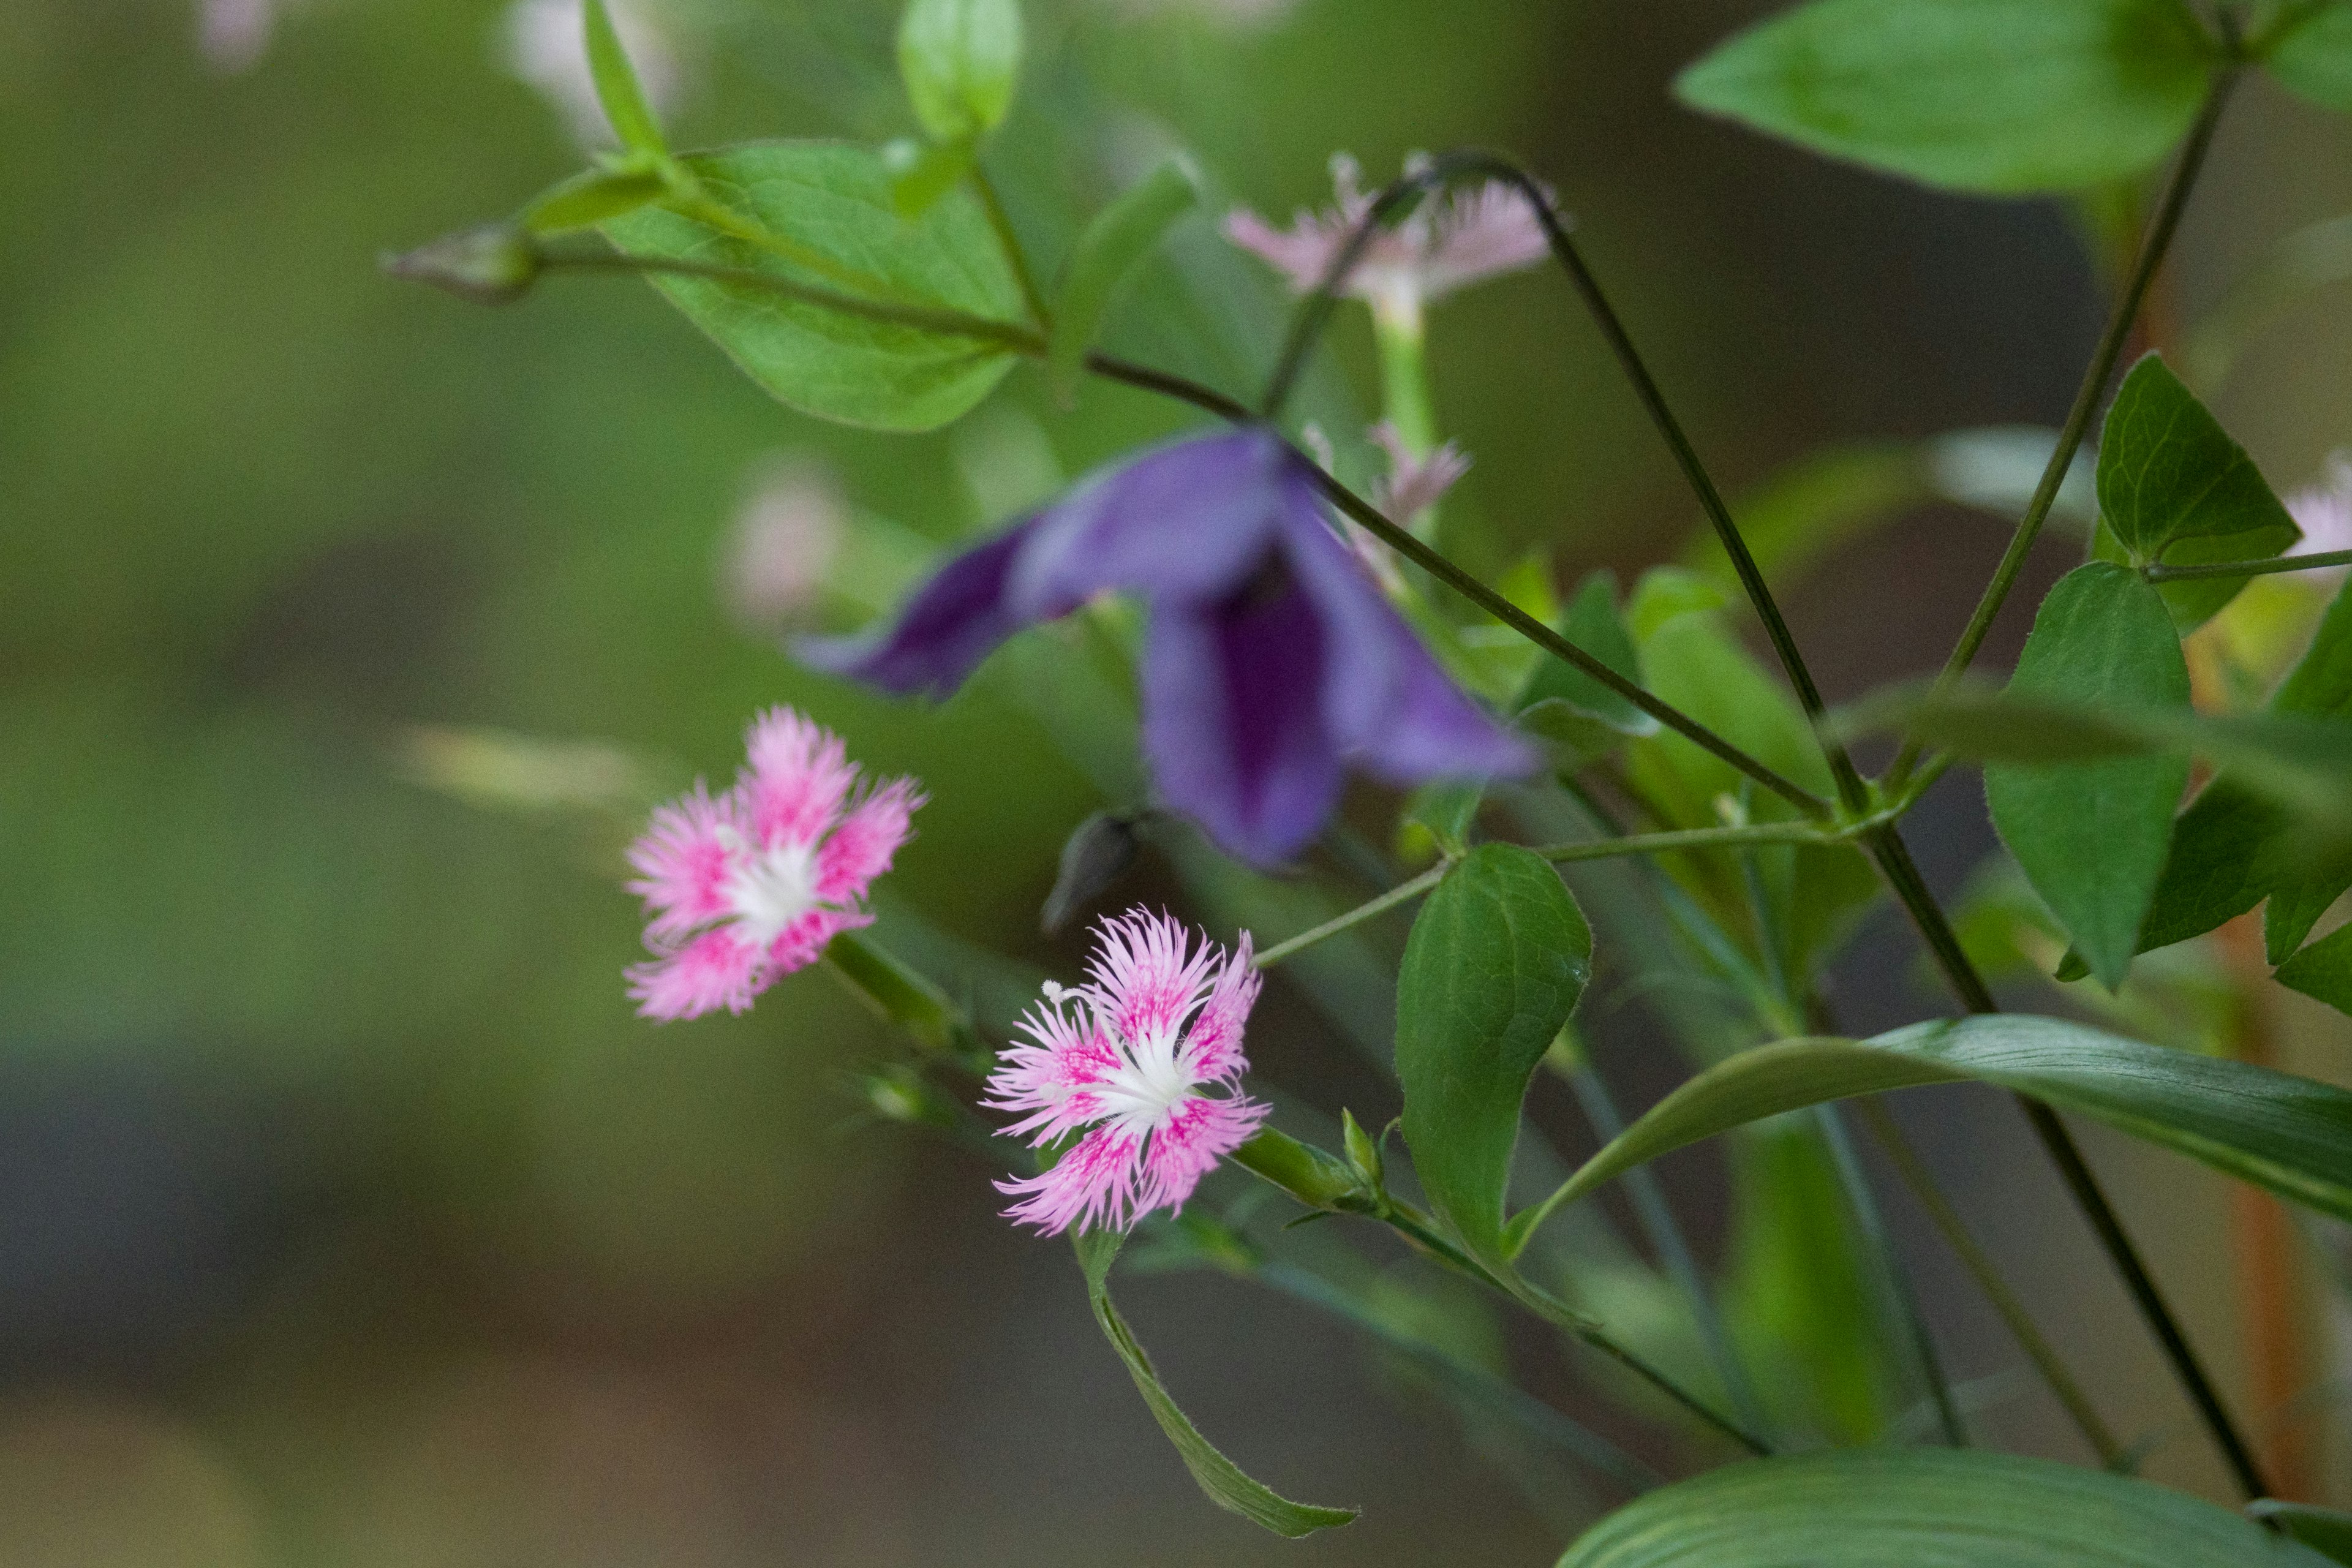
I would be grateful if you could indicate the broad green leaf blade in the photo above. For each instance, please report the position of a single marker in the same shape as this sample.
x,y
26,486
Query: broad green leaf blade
x,y
1498,956
2324,1530
832,201
1219,1477
1107,250
2324,970
2305,889
1594,624
2313,55
2289,1134
2091,837
2200,599
2170,476
1926,1507
1998,96
959,59
632,118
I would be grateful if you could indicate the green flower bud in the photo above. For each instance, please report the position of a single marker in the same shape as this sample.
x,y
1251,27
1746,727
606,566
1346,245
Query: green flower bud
x,y
490,265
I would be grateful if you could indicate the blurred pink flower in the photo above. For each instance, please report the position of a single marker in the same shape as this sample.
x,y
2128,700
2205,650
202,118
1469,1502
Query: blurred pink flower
x,y
774,564
2324,510
1447,243
745,888
546,48
1121,1062
1414,483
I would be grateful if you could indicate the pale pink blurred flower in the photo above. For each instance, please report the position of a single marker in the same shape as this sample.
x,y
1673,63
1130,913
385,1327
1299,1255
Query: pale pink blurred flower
x,y
773,563
1121,1062
747,887
1413,484
234,34
545,47
1445,244
2324,510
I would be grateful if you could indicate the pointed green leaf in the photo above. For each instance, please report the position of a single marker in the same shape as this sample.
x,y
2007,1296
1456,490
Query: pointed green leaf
x,y
1926,1507
624,102
2324,1530
1498,957
1219,1477
959,59
2091,837
2324,970
830,205
2312,54
2289,1134
1594,624
1108,247
1999,96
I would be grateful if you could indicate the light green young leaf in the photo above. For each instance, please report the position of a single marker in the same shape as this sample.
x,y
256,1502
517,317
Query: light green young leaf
x,y
1107,250
2091,837
630,116
2005,97
592,198
830,202
959,59
1219,1477
1499,955
2323,970
1926,1507
1594,624
2312,55
2289,1134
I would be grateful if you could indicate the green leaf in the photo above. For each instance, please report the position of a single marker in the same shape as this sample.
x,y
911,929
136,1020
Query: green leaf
x,y
2289,1134
1219,1477
2324,1530
2312,55
2091,837
1498,956
959,59
1926,1507
1107,250
1447,809
1594,624
592,198
923,172
830,205
1998,96
624,102
2324,970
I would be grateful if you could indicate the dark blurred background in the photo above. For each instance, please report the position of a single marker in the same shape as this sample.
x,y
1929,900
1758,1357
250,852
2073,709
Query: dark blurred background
x,y
348,1217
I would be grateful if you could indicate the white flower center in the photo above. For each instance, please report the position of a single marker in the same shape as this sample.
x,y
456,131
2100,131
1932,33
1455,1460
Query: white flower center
x,y
1149,1082
772,889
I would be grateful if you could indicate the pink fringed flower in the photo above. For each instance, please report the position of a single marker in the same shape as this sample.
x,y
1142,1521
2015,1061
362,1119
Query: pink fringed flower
x,y
1415,484
1479,232
748,886
1122,1062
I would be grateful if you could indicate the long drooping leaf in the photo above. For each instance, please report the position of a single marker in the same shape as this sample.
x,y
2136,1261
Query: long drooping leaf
x,y
1926,1507
2289,1134
830,206
1498,957
1219,1477
2091,836
2001,96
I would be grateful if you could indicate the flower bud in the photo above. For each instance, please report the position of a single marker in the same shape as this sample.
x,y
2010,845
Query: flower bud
x,y
1304,1172
1097,854
1364,1149
491,264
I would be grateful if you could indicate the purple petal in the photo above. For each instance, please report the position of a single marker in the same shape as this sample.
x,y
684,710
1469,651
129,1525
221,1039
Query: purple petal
x,y
952,623
1189,521
1232,724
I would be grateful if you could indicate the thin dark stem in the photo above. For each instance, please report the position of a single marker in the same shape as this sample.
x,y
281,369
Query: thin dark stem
x,y
1895,863
2086,397
1390,203
2159,573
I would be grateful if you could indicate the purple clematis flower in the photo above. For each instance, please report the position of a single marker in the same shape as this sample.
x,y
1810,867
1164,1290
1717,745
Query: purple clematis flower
x,y
1272,663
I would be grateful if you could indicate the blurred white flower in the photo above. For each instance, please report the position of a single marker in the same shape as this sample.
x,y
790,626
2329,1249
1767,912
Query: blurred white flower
x,y
234,34
773,563
545,47
2324,510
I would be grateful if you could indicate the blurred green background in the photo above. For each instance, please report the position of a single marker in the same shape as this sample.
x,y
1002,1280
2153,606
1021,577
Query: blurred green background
x,y
347,1216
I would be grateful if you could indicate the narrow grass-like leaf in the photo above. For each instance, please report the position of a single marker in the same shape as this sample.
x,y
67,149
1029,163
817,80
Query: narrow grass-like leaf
x,y
1926,1507
623,100
2289,1134
1108,247
1219,1477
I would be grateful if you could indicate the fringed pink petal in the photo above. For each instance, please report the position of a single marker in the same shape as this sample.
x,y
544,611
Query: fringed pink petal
x,y
802,942
798,774
1145,975
1055,1080
1482,233
860,849
715,970
1212,1049
1092,1184
1197,1134
685,856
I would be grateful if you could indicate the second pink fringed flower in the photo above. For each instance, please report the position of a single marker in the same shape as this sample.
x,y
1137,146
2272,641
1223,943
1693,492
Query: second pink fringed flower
x,y
1126,1062
748,886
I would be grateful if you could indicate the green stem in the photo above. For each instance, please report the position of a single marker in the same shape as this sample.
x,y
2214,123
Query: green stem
x,y
1921,1182
2087,399
1402,892
1397,332
998,220
2159,573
